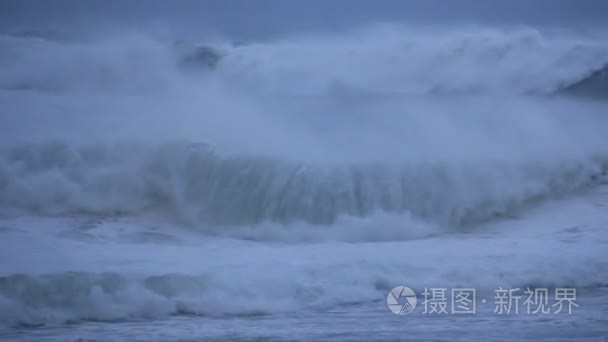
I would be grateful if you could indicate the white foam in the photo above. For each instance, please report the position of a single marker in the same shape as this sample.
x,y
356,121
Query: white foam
x,y
561,243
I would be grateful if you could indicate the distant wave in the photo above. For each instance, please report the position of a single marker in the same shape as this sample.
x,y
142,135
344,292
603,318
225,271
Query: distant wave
x,y
391,60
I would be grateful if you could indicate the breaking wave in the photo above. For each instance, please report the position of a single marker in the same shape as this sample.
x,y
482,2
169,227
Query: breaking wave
x,y
249,289
388,60
194,184
57,298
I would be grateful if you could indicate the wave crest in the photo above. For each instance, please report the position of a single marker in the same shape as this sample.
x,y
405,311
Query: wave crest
x,y
194,184
391,60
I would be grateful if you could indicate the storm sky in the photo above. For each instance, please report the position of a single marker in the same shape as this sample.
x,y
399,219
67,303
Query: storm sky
x,y
259,18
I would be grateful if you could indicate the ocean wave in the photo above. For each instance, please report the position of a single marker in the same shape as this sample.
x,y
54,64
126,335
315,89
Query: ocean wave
x,y
391,60
194,184
58,298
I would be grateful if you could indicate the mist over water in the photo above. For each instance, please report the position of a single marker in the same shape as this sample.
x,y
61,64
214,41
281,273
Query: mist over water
x,y
185,162
386,119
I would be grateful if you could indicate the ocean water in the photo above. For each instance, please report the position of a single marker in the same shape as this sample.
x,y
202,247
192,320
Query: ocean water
x,y
152,189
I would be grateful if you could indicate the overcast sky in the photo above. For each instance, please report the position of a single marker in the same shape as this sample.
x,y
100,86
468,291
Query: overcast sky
x,y
257,18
